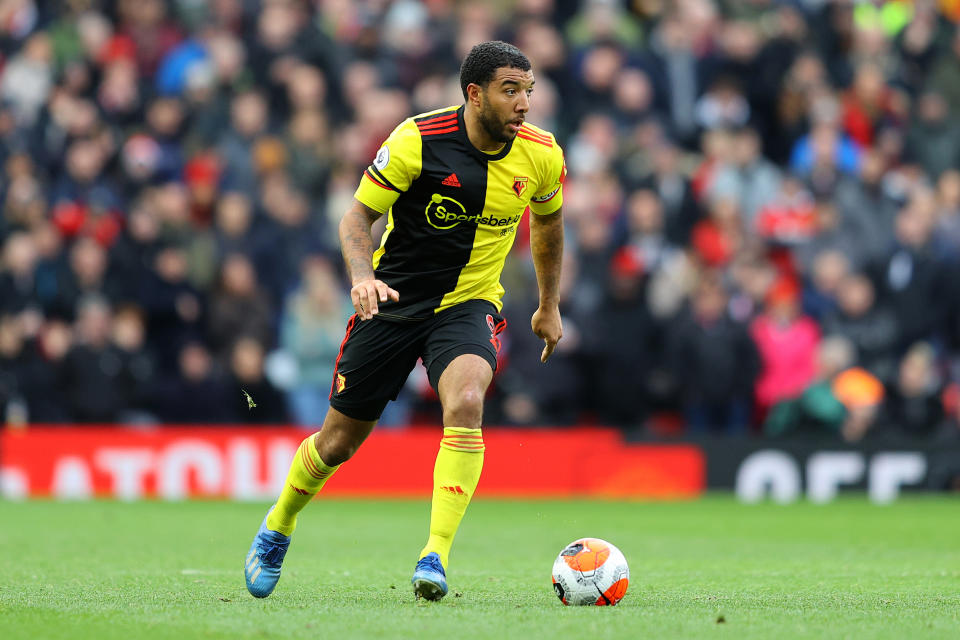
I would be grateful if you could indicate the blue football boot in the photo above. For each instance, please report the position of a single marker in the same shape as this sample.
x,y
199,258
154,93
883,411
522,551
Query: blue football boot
x,y
262,566
429,578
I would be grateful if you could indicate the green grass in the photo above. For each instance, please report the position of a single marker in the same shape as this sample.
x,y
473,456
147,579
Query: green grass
x,y
704,569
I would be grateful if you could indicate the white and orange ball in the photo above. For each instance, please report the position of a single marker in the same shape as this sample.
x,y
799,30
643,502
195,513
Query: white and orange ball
x,y
590,571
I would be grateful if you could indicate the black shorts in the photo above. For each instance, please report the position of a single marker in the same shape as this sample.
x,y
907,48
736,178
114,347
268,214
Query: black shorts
x,y
377,355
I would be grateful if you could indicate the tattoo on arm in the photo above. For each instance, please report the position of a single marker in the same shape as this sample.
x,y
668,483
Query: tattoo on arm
x,y
356,241
546,247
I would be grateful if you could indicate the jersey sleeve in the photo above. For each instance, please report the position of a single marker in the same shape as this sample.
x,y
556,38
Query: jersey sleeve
x,y
550,196
396,165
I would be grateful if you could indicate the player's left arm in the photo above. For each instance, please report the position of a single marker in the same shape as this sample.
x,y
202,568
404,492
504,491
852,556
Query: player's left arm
x,y
546,246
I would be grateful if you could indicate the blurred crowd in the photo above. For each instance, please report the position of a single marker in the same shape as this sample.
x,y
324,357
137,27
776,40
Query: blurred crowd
x,y
762,209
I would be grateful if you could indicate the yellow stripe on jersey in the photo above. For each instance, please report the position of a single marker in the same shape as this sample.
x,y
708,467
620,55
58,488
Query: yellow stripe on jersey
x,y
508,182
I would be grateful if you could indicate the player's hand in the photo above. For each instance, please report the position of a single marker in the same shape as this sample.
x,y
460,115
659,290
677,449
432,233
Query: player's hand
x,y
546,324
366,296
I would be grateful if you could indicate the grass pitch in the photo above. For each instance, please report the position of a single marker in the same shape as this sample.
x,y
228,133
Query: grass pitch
x,y
704,569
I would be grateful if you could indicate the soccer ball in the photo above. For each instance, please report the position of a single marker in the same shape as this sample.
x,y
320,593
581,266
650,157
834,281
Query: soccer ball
x,y
590,571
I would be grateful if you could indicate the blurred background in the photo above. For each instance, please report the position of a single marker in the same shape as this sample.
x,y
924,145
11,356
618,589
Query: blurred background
x,y
762,209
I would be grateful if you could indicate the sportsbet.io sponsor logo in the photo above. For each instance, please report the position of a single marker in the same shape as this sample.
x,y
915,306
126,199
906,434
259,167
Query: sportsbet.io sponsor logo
x,y
446,213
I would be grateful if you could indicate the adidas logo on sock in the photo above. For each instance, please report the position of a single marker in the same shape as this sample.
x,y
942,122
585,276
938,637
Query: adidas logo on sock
x,y
451,181
457,489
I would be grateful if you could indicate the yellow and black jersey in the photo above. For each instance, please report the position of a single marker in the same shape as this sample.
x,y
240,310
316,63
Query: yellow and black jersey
x,y
453,209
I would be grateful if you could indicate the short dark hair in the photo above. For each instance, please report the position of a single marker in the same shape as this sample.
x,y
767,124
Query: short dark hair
x,y
485,58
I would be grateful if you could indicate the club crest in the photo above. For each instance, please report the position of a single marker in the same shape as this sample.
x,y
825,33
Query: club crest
x,y
520,185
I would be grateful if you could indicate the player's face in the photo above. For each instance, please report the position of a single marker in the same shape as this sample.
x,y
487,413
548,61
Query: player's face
x,y
505,102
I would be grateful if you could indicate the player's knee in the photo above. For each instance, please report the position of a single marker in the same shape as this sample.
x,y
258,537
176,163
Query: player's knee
x,y
464,409
335,450
336,453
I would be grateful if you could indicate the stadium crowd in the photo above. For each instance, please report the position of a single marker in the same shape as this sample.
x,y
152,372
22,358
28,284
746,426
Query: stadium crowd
x,y
762,209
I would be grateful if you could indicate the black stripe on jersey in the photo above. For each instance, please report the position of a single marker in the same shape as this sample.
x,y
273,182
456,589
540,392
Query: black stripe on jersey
x,y
373,179
423,262
379,177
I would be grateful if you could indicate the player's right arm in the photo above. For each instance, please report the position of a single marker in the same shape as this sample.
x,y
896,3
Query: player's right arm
x,y
356,243
394,168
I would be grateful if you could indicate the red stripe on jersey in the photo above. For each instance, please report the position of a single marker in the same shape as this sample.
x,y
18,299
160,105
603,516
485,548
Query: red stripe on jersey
x,y
436,131
532,139
527,129
532,133
376,182
439,125
336,365
436,119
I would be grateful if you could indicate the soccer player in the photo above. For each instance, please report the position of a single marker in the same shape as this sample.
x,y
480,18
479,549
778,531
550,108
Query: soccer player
x,y
454,184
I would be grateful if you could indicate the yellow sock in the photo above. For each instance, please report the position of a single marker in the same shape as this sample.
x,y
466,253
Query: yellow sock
x,y
455,478
306,477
